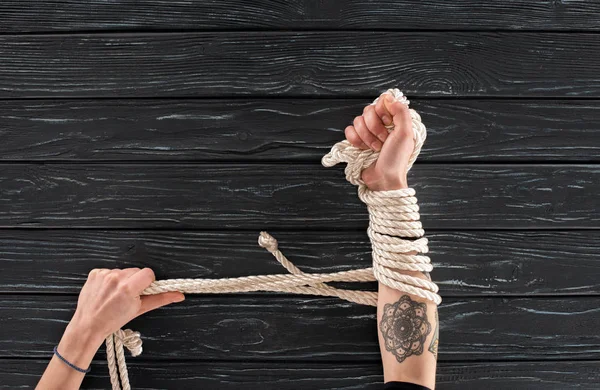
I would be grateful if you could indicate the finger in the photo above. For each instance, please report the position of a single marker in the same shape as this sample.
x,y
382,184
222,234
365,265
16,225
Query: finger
x,y
97,271
101,272
367,137
140,280
400,115
353,138
151,302
128,272
382,111
374,123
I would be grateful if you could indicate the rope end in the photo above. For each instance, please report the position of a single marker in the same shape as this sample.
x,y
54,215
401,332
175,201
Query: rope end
x,y
131,340
267,241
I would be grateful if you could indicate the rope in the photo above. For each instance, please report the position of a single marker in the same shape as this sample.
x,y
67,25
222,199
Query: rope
x,y
392,215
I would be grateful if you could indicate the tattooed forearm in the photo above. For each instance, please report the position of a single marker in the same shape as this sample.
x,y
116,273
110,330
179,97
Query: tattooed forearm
x,y
433,347
404,327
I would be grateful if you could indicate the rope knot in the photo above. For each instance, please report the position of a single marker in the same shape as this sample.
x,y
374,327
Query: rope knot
x,y
131,340
268,242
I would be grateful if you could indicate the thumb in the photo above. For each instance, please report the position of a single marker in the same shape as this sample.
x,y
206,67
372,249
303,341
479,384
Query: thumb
x,y
399,145
151,302
400,114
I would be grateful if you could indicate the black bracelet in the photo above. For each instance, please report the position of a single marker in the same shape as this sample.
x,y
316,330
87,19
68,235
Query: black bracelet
x,y
68,363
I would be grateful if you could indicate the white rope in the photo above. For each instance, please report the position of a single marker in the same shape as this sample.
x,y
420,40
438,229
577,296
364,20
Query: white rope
x,y
394,230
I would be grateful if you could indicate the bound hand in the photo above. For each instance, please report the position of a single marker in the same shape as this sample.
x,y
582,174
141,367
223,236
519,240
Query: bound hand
x,y
368,132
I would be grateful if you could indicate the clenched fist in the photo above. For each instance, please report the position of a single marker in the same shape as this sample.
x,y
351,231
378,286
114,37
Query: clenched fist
x,y
368,132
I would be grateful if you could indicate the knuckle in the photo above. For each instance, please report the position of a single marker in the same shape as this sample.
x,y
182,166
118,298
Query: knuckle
x,y
123,288
112,279
373,120
359,124
349,132
352,136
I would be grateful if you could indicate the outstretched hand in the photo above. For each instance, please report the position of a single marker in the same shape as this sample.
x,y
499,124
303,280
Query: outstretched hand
x,y
368,132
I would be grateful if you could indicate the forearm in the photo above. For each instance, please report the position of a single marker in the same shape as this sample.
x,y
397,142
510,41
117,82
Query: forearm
x,y
407,327
408,354
78,345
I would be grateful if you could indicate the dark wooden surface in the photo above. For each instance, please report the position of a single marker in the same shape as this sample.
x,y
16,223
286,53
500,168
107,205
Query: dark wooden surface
x,y
288,129
467,263
193,375
169,133
279,328
157,15
301,196
303,64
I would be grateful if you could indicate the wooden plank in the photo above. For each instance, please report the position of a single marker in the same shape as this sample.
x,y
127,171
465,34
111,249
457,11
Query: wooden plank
x,y
157,15
350,64
279,196
273,327
288,129
465,263
24,374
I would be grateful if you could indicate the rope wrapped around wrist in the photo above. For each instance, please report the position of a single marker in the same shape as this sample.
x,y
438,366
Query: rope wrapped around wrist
x,y
394,230
393,215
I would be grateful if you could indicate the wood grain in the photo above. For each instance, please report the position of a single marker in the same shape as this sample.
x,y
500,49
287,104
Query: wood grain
x,y
278,196
157,15
288,129
271,327
465,263
24,374
277,64
169,133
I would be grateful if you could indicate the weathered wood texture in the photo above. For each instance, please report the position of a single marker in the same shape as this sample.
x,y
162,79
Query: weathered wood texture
x,y
279,328
289,129
156,15
300,64
280,196
169,133
465,263
584,375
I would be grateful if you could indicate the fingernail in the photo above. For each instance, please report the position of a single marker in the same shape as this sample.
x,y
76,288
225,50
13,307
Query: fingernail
x,y
389,98
376,145
387,120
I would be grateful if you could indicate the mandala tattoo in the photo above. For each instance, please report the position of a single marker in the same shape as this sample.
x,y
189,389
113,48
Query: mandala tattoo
x,y
404,327
433,347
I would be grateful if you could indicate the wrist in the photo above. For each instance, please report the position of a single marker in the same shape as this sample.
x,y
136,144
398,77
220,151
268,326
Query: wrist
x,y
394,183
379,182
378,179
79,343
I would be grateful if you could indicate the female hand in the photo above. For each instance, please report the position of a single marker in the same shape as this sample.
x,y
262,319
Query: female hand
x,y
368,132
111,298
108,300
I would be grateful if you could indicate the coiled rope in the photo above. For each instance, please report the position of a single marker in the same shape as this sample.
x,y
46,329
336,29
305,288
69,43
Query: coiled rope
x,y
392,214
